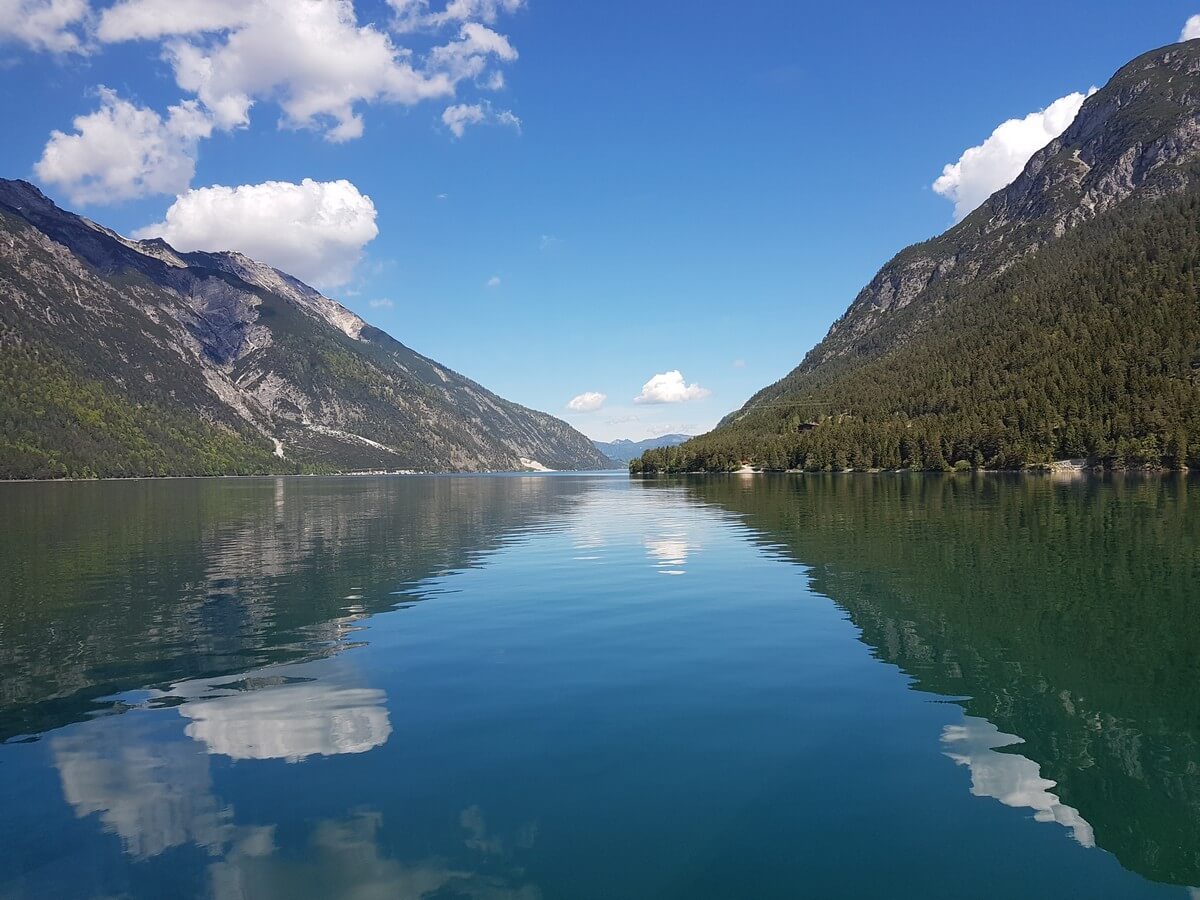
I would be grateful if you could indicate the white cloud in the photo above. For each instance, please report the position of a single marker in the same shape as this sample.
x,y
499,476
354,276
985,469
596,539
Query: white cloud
x,y
494,281
122,151
313,230
985,169
459,116
415,14
548,242
468,56
130,20
589,401
48,25
669,387
312,57
380,303
1191,29
739,364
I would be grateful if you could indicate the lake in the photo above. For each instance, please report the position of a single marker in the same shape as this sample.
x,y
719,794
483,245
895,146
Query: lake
x,y
585,686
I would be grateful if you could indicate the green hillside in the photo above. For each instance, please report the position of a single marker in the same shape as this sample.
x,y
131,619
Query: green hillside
x,y
1090,348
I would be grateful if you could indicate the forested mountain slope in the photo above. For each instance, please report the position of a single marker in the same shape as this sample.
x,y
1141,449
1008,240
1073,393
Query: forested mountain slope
x,y
1060,319
121,357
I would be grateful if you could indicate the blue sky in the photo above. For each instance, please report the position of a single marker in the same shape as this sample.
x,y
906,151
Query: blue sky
x,y
638,189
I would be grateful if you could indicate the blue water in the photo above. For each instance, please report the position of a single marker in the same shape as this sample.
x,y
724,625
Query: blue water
x,y
573,686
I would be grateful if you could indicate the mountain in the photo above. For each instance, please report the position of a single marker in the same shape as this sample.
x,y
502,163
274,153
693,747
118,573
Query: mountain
x,y
122,357
623,450
1058,320
991,592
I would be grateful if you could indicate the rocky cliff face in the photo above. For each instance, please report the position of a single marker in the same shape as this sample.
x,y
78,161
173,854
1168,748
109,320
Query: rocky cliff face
x,y
1138,136
249,353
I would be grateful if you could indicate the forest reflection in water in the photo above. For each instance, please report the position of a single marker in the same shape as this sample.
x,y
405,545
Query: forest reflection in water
x,y
484,687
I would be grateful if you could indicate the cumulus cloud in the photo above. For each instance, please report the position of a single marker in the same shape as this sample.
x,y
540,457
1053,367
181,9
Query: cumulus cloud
x,y
1191,29
313,230
985,169
669,387
494,281
589,401
459,116
312,57
48,25
122,151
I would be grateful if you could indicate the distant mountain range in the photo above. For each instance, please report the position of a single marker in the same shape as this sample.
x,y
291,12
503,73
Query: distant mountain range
x,y
122,357
622,450
1058,320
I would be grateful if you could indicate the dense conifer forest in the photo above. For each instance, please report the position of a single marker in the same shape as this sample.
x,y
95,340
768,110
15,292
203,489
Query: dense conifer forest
x,y
57,423
1087,349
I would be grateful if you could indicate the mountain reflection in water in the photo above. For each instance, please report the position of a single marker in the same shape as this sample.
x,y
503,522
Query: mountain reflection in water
x,y
1066,611
483,687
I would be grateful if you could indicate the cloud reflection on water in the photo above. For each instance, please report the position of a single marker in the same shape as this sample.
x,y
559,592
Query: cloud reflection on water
x,y
146,775
1008,777
151,789
291,722
345,857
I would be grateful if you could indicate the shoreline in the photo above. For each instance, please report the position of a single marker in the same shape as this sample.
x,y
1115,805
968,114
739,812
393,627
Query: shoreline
x,y
397,474
1043,472
1052,471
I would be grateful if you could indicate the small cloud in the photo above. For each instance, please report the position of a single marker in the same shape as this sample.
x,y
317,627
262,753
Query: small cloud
x,y
739,364
589,401
669,387
548,242
1191,29
494,281
443,196
458,117
381,303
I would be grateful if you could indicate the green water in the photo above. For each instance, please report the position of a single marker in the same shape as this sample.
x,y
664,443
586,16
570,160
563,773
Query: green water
x,y
586,686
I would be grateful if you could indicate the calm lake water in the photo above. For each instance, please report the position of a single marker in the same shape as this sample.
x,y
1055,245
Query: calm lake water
x,y
590,687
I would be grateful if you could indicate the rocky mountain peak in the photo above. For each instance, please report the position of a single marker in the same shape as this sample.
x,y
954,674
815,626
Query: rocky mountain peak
x,y
215,362
23,195
1138,136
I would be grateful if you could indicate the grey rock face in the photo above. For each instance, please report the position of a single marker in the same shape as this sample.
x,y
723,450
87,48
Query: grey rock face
x,y
238,343
1137,137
